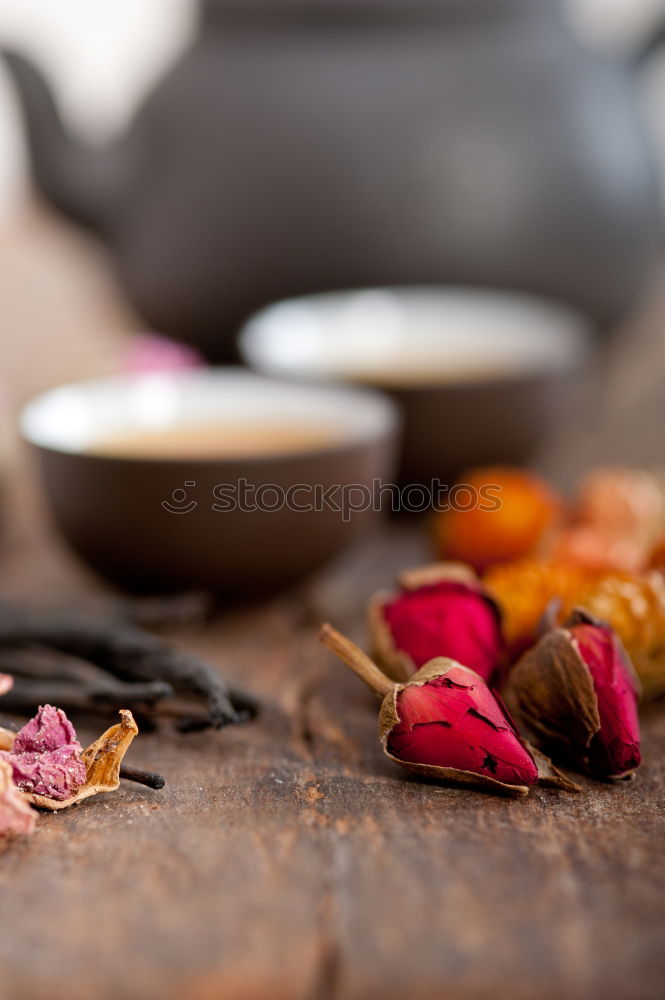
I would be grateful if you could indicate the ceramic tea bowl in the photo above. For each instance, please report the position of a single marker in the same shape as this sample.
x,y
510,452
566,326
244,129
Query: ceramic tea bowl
x,y
481,376
181,521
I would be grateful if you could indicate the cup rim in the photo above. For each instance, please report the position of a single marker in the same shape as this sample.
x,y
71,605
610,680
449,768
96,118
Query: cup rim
x,y
368,415
263,339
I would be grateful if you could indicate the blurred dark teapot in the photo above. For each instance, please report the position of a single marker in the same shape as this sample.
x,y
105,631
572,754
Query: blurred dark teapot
x,y
302,145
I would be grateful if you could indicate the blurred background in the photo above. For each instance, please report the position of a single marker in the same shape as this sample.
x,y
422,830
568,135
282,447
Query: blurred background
x,y
561,199
102,57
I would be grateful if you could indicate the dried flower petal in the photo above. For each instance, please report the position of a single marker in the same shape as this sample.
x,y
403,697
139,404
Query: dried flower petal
x,y
49,730
6,683
441,610
548,775
56,774
577,693
46,756
16,816
102,760
615,748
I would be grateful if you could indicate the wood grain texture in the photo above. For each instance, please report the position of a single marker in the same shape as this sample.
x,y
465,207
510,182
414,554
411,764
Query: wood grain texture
x,y
288,858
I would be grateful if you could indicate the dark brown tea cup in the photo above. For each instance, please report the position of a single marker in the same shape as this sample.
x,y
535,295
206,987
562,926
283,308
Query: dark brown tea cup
x,y
481,376
215,478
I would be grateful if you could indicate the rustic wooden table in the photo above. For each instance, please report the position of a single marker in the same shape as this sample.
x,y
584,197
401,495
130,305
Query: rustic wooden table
x,y
288,858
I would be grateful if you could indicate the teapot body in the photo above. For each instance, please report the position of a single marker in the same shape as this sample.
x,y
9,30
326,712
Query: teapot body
x,y
295,150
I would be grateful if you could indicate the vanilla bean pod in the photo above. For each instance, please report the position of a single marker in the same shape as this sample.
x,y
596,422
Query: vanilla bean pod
x,y
123,650
75,684
141,777
39,662
107,697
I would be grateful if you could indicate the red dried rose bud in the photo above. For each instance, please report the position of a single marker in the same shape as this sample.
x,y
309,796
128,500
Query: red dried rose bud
x,y
445,723
577,691
46,756
448,717
440,610
615,748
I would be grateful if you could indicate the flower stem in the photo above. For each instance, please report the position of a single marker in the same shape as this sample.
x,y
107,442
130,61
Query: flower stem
x,y
354,658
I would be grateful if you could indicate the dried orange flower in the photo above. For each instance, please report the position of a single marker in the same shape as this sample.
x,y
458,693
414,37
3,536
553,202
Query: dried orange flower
x,y
512,517
635,607
658,556
634,604
523,590
618,518
621,501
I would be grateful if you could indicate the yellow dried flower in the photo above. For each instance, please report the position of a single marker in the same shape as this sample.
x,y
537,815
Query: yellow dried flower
x,y
635,607
634,604
524,588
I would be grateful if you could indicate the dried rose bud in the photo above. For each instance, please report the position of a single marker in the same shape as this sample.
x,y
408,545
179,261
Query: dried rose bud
x,y
577,691
448,717
635,607
440,610
46,756
445,723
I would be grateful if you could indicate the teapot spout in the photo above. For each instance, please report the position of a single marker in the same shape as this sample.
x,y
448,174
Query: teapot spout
x,y
75,180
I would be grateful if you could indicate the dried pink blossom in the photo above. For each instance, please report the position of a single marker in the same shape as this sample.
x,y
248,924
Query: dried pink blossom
x,y
16,816
49,730
46,756
56,774
5,683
